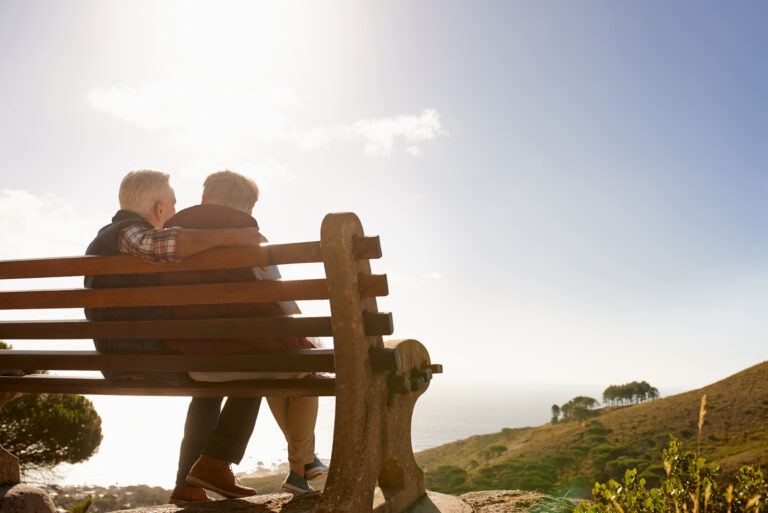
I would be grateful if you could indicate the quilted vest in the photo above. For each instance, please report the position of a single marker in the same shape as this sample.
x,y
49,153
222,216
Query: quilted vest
x,y
105,244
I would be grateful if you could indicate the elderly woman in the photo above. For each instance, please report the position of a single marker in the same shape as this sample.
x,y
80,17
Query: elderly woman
x,y
228,200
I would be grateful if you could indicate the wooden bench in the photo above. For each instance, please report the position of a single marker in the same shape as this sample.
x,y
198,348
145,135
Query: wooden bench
x,y
376,382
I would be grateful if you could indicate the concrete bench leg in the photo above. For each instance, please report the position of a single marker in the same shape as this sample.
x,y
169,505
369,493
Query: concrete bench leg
x,y
374,444
372,432
400,478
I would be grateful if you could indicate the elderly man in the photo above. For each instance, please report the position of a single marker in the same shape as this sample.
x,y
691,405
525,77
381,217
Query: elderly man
x,y
147,201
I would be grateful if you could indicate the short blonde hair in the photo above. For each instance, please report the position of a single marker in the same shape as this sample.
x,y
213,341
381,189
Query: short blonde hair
x,y
140,190
231,190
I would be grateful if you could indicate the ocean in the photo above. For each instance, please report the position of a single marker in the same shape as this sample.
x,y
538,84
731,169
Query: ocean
x,y
142,434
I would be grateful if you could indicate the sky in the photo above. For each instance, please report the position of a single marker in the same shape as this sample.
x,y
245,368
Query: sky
x,y
566,191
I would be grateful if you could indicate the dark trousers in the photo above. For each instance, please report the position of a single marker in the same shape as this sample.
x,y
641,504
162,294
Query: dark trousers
x,y
221,433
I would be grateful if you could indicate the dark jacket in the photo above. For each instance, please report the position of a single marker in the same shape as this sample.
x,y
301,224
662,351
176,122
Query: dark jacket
x,y
212,217
105,244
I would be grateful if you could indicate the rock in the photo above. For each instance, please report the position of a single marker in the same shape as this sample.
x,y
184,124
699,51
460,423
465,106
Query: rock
x,y
25,499
274,503
9,468
517,501
440,503
284,503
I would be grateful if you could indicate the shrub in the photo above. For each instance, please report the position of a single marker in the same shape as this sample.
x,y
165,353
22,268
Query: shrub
x,y
595,428
446,479
690,485
493,451
579,449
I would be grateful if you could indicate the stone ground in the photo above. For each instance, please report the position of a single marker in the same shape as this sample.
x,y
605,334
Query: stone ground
x,y
496,501
516,501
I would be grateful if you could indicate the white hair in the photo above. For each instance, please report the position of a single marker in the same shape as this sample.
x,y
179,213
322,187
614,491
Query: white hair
x,y
231,190
140,190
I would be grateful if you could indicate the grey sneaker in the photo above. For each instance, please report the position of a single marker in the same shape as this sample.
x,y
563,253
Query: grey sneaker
x,y
296,484
315,470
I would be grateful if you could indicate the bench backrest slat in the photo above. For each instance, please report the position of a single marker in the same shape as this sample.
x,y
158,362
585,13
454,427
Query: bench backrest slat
x,y
375,324
220,258
199,294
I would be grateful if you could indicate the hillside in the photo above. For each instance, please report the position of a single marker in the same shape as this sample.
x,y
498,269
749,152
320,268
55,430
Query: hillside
x,y
565,458
568,457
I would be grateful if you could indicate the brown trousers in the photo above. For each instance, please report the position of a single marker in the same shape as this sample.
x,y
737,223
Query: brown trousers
x,y
296,417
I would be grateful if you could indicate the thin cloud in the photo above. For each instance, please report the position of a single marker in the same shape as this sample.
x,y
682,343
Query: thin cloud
x,y
380,135
196,114
194,108
41,226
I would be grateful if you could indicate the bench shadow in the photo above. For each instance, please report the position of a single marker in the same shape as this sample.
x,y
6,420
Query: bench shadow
x,y
423,505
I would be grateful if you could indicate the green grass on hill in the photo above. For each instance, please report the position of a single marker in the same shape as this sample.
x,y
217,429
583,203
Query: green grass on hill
x,y
567,458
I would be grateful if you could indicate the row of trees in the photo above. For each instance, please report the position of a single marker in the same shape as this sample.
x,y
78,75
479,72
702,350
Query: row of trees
x,y
582,407
629,393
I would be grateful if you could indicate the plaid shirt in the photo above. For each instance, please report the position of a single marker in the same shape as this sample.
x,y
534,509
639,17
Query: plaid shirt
x,y
154,244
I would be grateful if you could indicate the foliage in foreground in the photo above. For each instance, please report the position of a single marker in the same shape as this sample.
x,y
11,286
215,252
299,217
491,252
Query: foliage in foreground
x,y
47,429
690,486
82,506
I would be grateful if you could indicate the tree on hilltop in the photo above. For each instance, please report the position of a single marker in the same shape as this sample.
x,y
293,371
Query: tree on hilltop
x,y
584,401
629,393
555,413
579,408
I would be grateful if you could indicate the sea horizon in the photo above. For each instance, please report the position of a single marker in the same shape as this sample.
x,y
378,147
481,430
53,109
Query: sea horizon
x,y
142,435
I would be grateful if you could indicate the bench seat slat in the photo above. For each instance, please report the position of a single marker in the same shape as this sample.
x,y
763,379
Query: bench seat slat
x,y
311,386
168,295
198,294
307,360
375,324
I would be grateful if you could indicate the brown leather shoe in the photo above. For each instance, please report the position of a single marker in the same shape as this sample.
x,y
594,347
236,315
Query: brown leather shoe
x,y
185,494
216,475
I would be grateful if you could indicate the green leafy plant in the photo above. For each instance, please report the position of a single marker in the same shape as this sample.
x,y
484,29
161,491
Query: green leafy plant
x,y
83,506
690,486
